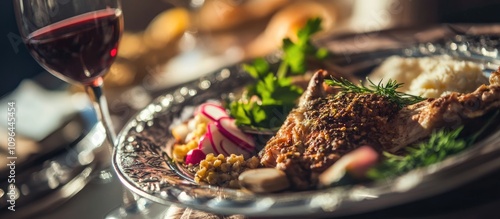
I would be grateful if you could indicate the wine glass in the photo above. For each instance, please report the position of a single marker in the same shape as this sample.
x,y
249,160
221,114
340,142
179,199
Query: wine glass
x,y
77,41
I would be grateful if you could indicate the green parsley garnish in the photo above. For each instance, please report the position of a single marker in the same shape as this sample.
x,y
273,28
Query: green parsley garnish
x,y
296,53
267,102
388,90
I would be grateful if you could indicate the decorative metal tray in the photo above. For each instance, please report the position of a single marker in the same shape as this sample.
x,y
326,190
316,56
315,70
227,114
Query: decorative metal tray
x,y
142,161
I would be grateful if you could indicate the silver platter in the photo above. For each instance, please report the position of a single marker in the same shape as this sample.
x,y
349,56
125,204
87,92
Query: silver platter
x,y
142,161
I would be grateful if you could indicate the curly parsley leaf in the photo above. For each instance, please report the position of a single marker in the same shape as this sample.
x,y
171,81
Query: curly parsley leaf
x,y
274,91
296,53
269,97
258,69
257,116
273,95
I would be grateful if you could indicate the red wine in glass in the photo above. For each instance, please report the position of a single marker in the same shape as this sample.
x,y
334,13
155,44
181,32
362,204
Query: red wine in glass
x,y
80,48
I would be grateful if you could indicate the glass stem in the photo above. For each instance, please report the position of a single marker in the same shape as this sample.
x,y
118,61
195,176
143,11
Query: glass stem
x,y
95,92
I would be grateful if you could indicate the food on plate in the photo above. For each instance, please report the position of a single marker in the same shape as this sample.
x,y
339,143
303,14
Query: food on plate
x,y
212,142
223,171
211,130
431,77
222,137
438,147
355,164
337,132
336,129
324,127
264,180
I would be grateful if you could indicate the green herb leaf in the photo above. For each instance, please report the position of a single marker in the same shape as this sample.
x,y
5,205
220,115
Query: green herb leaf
x,y
258,69
440,145
259,116
271,98
296,54
274,91
321,53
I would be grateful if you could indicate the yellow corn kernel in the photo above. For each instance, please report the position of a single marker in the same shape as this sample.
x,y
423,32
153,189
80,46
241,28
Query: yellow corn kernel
x,y
220,157
217,163
178,153
240,158
202,172
204,163
209,156
231,160
191,145
201,129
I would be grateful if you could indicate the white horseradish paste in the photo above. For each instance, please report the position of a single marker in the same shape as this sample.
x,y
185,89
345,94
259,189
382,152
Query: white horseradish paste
x,y
430,77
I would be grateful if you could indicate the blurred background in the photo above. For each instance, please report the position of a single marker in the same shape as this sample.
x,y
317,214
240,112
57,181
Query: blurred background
x,y
154,30
168,42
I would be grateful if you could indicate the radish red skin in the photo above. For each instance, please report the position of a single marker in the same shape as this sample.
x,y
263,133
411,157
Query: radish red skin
x,y
195,156
217,139
228,128
211,135
212,111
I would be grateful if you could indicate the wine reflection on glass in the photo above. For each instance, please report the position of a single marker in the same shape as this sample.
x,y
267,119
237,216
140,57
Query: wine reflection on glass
x,y
77,41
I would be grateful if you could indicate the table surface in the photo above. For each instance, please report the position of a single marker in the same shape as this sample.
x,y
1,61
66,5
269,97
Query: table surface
x,y
478,199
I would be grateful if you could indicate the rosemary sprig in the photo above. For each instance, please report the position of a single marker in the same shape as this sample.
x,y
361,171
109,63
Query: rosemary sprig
x,y
388,90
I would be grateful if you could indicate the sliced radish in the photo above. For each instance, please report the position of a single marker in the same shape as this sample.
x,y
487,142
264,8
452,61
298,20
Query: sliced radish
x,y
228,147
195,156
222,136
208,142
212,111
228,128
212,141
205,143
215,140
